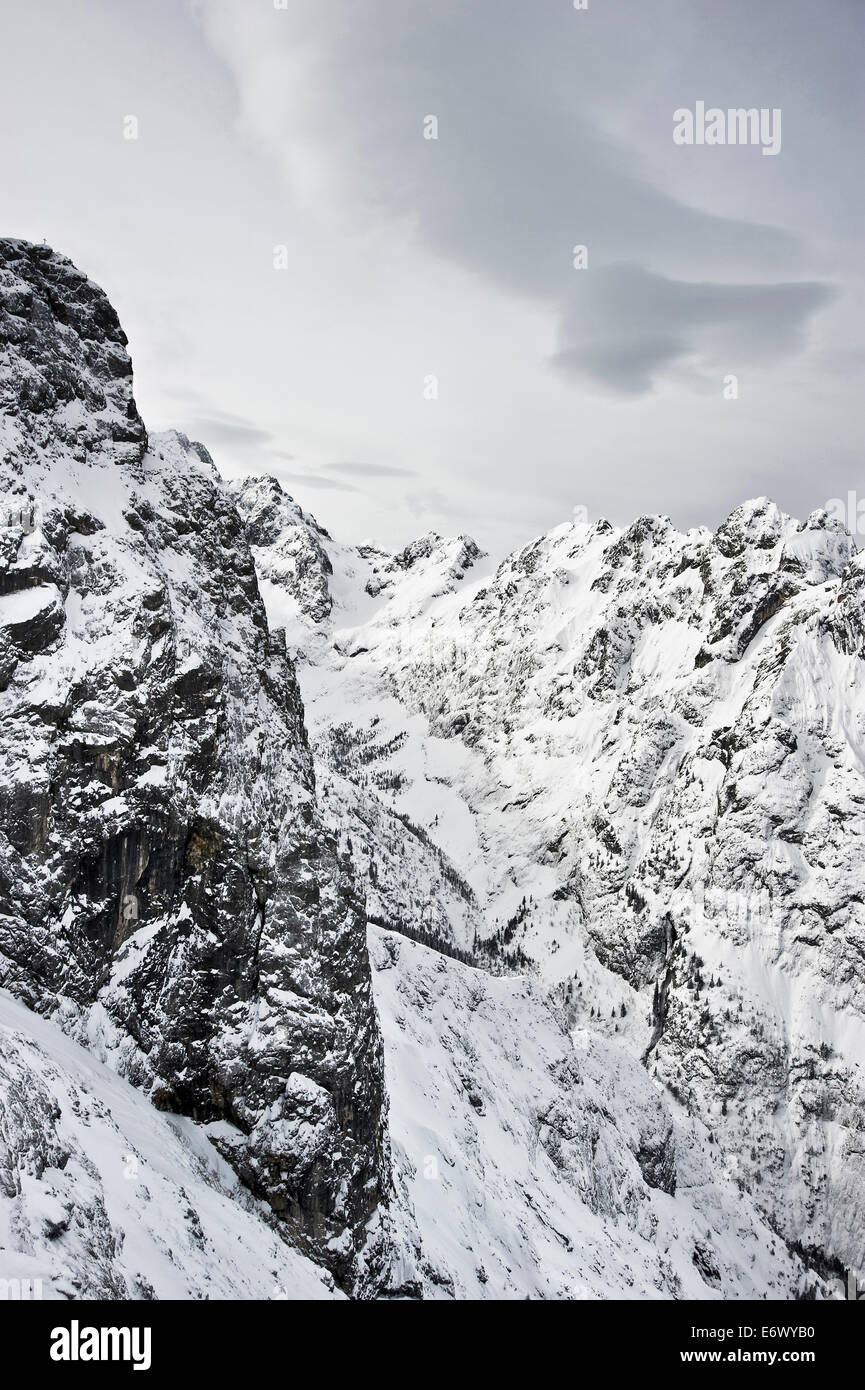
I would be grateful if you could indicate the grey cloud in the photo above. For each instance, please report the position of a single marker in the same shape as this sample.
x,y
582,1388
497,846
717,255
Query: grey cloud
x,y
188,396
525,183
432,502
316,480
371,470
222,427
522,171
230,431
624,325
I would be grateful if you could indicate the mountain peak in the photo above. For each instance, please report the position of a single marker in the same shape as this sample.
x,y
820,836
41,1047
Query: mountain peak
x,y
66,374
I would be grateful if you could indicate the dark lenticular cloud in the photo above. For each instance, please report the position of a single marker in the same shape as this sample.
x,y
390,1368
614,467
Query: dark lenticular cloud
x,y
623,326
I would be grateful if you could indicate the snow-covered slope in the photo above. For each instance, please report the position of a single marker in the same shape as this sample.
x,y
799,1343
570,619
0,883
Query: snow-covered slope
x,y
642,752
104,1197
540,1165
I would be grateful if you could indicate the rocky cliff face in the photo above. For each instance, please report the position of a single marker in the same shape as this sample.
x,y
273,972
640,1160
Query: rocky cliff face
x,y
167,888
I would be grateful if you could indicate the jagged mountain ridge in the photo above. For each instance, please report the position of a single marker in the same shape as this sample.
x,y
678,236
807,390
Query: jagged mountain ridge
x,y
642,752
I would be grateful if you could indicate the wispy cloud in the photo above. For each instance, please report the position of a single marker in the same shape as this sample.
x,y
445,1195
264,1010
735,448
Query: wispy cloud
x,y
371,470
239,434
317,481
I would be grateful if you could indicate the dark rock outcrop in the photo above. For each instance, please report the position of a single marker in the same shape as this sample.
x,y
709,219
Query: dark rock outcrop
x,y
167,889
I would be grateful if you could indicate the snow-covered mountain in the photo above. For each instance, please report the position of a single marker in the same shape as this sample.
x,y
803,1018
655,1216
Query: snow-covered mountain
x,y
419,927
639,755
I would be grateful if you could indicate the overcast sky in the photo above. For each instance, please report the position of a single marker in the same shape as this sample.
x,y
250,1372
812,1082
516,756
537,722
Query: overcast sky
x,y
408,258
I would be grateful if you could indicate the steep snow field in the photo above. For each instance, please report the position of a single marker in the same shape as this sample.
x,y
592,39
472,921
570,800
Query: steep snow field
x,y
536,1165
105,1197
